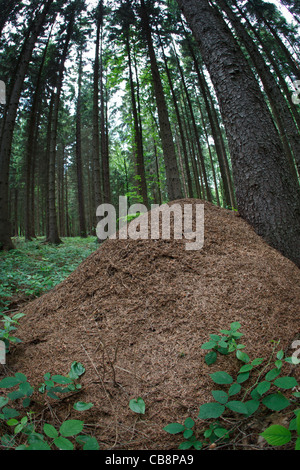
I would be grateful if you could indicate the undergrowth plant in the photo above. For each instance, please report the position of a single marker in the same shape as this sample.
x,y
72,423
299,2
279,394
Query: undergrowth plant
x,y
259,384
20,430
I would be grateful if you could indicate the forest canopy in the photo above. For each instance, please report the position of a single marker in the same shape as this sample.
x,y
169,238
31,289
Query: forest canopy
x,y
153,100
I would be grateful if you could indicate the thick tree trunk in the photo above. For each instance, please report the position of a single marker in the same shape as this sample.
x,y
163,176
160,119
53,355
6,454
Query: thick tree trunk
x,y
172,173
267,195
282,115
7,127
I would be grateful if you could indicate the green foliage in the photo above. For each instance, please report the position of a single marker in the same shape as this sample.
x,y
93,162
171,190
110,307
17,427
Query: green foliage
x,y
224,344
10,324
23,433
34,268
137,405
259,384
188,434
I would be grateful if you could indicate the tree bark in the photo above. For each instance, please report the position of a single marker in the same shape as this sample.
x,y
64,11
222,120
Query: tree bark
x,y
7,128
172,173
267,195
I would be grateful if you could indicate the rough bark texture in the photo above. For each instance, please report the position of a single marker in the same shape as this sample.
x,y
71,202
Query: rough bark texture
x,y
267,195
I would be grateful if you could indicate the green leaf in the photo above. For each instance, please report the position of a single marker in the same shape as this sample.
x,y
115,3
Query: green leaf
x,y
20,377
220,396
297,444
3,401
174,428
39,445
77,369
263,387
221,378
242,377
71,427
234,389
272,374
185,445
242,356
211,410
137,405
9,382
258,361
286,382
12,422
90,443
276,435
246,368
252,406
188,433
50,431
237,407
209,345
189,423
82,406
210,358
63,444
220,432
235,325
275,402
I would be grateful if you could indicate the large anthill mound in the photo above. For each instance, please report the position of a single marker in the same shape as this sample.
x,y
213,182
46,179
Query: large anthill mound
x,y
135,314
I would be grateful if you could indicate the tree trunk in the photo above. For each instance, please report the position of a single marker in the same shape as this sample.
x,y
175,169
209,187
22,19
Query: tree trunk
x,y
80,189
138,150
7,128
258,161
172,173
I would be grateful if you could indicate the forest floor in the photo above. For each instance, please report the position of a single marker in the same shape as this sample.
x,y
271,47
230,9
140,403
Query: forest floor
x,y
136,312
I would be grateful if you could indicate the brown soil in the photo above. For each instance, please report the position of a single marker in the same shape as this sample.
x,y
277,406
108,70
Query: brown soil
x,y
136,313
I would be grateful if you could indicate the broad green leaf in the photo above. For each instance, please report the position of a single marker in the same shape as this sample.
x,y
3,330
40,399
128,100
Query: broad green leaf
x,y
71,427
275,402
286,382
188,433
189,423
63,443
39,445
276,435
234,389
3,401
242,356
137,405
9,382
272,374
237,406
90,443
209,345
252,406
263,387
50,431
77,369
210,358
220,396
174,428
211,410
242,377
185,445
221,378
